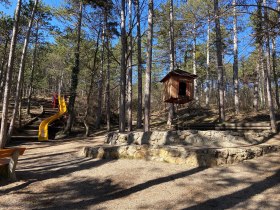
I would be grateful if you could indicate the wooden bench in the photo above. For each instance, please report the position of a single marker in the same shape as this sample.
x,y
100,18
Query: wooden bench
x,y
8,162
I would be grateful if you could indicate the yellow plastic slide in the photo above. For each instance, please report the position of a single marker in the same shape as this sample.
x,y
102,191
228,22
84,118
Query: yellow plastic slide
x,y
43,128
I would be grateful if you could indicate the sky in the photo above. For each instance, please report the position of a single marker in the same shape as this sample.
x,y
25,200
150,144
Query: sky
x,y
10,9
53,3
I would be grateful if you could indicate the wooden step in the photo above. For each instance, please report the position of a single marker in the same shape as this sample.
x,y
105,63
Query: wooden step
x,y
37,123
50,110
227,126
24,138
32,127
27,132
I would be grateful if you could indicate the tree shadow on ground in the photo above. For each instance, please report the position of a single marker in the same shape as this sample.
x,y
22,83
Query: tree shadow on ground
x,y
52,170
244,191
96,195
229,201
260,117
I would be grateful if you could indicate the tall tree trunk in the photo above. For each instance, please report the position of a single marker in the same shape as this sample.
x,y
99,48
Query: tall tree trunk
x,y
30,86
21,72
171,59
275,76
129,72
194,64
268,72
2,67
208,63
139,65
3,81
278,8
149,67
20,104
260,41
122,99
91,83
256,82
100,81
74,74
9,75
219,61
235,62
108,104
263,81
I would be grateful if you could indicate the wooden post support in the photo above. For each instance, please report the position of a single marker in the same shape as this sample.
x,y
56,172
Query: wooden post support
x,y
12,166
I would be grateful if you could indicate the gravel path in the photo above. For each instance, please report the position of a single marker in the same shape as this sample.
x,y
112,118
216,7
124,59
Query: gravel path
x,y
52,176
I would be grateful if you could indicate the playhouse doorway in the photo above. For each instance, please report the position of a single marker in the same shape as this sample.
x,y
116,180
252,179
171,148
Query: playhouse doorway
x,y
182,88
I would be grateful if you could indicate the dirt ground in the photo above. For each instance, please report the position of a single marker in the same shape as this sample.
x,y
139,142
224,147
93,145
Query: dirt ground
x,y
52,176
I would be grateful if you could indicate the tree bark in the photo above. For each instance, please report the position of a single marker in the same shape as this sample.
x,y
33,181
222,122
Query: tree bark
x,y
171,59
100,80
74,74
9,74
263,83
208,63
278,8
275,76
268,72
108,98
256,82
129,72
220,67
20,105
235,62
139,65
149,68
30,86
260,41
122,99
91,84
194,64
2,68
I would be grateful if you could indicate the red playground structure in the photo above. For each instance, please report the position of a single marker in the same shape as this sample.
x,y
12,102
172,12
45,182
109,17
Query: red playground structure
x,y
55,100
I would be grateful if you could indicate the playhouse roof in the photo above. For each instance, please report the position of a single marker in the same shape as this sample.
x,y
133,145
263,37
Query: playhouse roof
x,y
181,73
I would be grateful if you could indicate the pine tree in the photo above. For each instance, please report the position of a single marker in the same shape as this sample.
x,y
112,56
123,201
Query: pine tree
x,y
235,62
149,67
122,99
268,71
75,73
139,66
220,66
171,58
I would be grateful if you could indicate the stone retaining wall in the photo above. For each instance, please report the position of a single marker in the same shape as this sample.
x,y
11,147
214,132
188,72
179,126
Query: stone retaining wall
x,y
188,137
180,154
189,147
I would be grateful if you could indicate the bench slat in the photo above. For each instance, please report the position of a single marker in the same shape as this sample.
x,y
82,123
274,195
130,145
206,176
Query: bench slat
x,y
9,151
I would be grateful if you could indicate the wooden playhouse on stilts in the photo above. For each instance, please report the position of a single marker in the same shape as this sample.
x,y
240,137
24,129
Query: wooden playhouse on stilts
x,y
178,87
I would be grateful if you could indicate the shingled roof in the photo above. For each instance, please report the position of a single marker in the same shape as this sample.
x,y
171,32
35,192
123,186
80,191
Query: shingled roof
x,y
181,73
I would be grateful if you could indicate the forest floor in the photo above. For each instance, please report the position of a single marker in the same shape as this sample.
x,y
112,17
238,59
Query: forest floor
x,y
201,115
51,175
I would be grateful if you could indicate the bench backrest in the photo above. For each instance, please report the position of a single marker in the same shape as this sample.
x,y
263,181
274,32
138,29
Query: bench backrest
x,y
9,151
